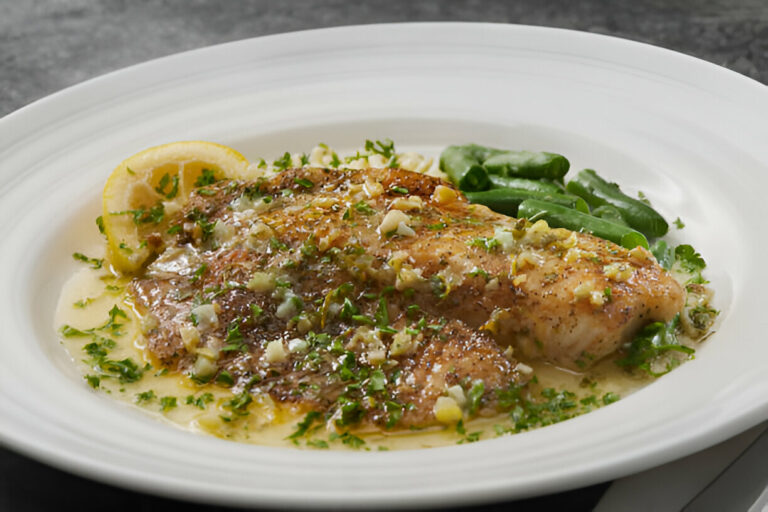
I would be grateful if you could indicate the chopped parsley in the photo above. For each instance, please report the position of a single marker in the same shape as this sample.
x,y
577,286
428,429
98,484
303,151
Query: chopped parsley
x,y
83,302
125,370
377,381
238,405
348,439
304,182
165,181
235,340
225,378
385,148
282,163
198,273
551,406
364,208
145,396
691,262
207,177
201,219
100,224
201,401
167,403
303,426
141,215
277,245
394,413
489,244
256,312
95,263
479,272
475,395
653,341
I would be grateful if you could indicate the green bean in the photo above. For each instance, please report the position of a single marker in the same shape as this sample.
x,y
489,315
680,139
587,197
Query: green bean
x,y
562,217
507,200
464,165
610,213
482,153
528,164
524,183
598,192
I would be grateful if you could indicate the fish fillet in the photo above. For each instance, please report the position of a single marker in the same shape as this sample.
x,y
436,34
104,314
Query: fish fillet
x,y
369,295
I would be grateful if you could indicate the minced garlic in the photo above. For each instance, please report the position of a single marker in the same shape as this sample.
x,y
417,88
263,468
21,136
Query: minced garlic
x,y
457,393
261,282
410,203
618,271
446,410
373,188
275,352
444,195
583,290
402,344
392,220
205,315
190,336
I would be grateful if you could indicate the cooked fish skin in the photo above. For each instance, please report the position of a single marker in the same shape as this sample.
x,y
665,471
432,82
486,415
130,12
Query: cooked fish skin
x,y
332,250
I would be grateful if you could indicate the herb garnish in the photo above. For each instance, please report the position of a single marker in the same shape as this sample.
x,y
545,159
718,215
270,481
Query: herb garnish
x,y
207,177
167,403
201,401
304,182
691,262
654,340
385,148
141,215
96,263
164,182
282,163
303,425
489,244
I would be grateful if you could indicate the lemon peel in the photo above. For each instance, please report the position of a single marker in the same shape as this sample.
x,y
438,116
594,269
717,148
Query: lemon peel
x,y
145,192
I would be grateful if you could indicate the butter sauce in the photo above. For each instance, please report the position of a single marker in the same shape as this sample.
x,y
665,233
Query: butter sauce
x,y
104,331
90,294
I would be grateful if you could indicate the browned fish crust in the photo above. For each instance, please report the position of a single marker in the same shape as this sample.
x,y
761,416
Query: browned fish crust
x,y
301,286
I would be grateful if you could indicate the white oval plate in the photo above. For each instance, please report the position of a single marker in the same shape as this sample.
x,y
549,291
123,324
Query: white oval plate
x,y
689,134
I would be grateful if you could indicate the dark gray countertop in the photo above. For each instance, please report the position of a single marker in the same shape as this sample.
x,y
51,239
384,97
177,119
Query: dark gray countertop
x,y
49,45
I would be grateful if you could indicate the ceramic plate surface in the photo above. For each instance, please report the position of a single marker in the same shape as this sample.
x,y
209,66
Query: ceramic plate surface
x,y
690,135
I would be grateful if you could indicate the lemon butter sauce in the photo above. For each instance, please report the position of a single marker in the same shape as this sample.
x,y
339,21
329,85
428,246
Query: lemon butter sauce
x,y
89,296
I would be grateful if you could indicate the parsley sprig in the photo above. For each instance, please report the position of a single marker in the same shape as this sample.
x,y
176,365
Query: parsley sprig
x,y
653,341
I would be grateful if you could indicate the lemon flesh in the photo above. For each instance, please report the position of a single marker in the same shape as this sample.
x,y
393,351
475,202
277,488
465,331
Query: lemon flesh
x,y
144,194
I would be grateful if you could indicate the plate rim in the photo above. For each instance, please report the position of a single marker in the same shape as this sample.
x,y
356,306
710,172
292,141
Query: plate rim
x,y
137,483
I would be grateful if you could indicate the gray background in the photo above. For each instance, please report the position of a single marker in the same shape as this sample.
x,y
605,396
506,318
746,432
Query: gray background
x,y
49,45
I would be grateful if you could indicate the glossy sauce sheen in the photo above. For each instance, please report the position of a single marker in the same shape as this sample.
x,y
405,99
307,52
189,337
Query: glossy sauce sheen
x,y
381,301
268,424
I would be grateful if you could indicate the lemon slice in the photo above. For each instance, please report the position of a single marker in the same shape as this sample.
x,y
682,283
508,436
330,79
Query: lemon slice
x,y
144,192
